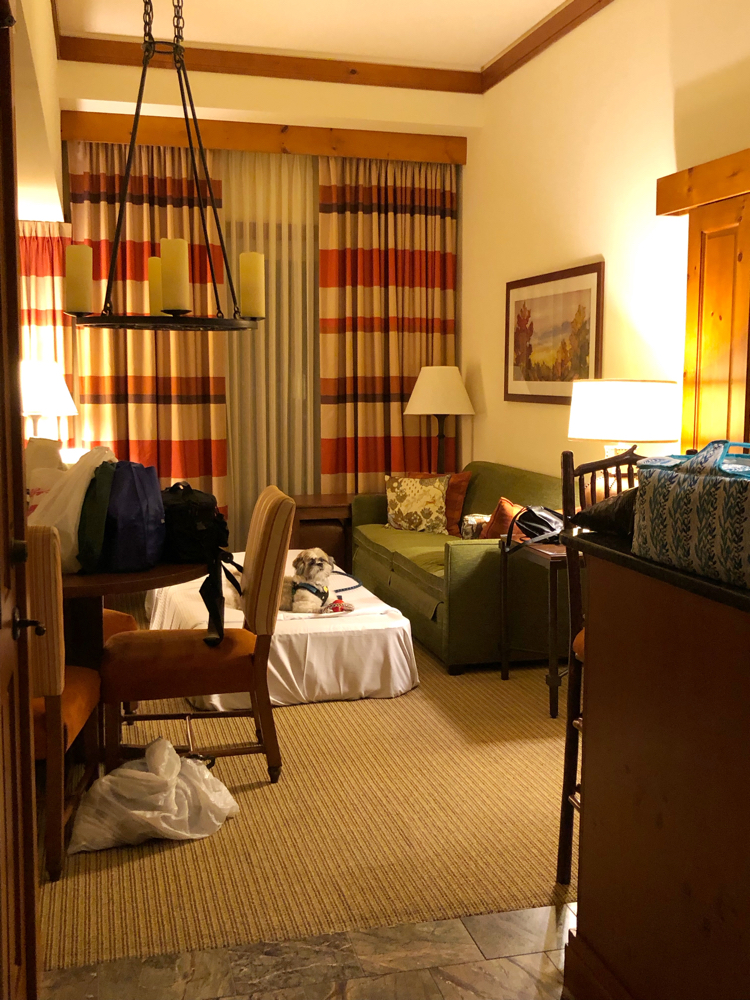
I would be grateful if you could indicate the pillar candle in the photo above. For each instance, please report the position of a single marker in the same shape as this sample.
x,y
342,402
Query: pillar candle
x,y
79,279
252,285
154,286
175,276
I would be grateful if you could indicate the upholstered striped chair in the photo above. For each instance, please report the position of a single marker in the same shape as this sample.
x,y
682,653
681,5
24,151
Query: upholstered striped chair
x,y
65,698
150,665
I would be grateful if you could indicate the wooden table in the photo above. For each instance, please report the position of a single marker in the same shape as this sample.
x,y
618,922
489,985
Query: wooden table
x,y
663,877
325,520
83,602
553,558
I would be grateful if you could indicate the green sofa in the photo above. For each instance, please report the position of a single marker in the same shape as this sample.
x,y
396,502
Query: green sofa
x,y
450,588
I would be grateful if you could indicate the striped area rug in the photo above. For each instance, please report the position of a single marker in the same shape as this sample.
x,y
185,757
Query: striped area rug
x,y
438,804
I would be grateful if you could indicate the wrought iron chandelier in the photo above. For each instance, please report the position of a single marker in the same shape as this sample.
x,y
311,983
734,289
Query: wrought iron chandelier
x,y
178,319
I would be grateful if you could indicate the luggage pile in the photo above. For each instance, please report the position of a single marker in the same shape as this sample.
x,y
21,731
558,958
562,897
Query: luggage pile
x,y
113,517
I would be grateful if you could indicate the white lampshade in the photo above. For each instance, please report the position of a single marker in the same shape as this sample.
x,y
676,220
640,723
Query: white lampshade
x,y
610,409
439,389
44,391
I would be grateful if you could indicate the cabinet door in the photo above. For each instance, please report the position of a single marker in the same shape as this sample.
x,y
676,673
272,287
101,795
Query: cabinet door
x,y
715,399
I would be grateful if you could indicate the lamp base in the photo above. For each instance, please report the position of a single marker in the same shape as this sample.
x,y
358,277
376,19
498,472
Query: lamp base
x,y
616,448
441,443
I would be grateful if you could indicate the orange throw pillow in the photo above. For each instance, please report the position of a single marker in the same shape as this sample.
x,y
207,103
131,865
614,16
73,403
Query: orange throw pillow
x,y
454,497
499,523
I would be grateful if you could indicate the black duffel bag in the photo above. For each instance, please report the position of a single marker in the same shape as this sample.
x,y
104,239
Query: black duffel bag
x,y
197,532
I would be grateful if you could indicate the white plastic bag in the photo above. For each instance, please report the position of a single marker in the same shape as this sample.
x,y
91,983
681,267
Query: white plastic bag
x,y
161,795
61,507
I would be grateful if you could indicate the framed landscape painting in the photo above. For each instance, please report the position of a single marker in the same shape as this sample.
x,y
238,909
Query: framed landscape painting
x,y
553,333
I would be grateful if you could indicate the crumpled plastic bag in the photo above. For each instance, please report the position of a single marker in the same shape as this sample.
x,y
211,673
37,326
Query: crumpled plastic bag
x,y
161,795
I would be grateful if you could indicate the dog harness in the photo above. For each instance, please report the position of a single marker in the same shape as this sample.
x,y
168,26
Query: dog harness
x,y
320,592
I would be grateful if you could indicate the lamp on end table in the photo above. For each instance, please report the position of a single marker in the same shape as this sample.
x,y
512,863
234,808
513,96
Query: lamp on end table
x,y
439,391
45,392
624,412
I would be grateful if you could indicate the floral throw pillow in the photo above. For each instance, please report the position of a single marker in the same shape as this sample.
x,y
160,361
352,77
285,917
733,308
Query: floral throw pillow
x,y
417,504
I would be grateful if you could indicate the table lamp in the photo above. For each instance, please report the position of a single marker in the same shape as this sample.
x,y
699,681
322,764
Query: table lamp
x,y
45,392
439,391
624,412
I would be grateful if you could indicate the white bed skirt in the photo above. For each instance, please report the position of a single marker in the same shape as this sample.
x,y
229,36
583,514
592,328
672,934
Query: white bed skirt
x,y
365,654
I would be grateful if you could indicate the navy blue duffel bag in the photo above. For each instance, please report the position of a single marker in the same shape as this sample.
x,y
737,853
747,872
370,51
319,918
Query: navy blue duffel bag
x,y
134,532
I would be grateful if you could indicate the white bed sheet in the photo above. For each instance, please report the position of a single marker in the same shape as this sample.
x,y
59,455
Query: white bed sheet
x,y
367,653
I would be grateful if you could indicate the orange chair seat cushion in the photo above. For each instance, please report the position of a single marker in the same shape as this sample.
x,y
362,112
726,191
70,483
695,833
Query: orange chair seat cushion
x,y
117,621
175,663
79,699
578,644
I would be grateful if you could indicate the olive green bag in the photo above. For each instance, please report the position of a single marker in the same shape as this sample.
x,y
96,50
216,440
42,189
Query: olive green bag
x,y
94,517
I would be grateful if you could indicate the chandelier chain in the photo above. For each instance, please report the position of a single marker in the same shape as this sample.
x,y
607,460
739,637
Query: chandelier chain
x,y
178,21
148,21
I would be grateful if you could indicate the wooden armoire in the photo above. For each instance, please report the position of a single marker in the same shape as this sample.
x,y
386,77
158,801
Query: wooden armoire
x,y
716,395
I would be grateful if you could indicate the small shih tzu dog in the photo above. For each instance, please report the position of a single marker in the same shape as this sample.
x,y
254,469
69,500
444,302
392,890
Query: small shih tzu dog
x,y
307,591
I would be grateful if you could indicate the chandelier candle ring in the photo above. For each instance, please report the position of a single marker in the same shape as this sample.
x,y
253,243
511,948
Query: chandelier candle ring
x,y
170,296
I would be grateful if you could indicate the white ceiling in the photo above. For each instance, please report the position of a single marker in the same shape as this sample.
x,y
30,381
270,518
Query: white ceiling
x,y
441,33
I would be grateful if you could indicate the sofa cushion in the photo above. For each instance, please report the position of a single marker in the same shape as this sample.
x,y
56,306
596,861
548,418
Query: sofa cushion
x,y
454,498
417,504
382,541
490,481
499,523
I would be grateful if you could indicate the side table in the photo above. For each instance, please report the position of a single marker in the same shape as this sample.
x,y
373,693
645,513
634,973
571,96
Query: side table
x,y
325,521
553,559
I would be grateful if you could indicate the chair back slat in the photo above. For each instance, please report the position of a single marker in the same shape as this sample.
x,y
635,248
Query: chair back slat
x,y
582,501
265,559
45,604
631,476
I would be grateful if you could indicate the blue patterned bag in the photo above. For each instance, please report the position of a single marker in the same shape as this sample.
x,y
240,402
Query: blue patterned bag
x,y
693,512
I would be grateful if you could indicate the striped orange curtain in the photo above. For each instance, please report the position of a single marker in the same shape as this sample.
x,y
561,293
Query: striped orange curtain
x,y
387,307
154,397
46,332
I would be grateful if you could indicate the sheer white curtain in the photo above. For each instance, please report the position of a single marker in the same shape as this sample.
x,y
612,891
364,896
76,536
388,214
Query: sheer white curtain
x,y
270,204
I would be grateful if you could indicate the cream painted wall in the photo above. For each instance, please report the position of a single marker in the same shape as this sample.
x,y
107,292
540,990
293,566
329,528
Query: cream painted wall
x,y
37,114
93,87
564,172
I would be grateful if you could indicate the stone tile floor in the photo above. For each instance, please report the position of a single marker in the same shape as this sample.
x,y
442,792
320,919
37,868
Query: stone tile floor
x,y
497,956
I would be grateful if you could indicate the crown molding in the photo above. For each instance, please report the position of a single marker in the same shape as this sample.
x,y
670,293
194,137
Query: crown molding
x,y
539,38
364,74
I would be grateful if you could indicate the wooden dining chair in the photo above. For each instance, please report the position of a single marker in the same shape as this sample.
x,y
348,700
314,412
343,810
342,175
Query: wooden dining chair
x,y
176,663
581,488
65,698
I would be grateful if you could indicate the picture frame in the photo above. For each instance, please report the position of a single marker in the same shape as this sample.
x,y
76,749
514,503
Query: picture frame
x,y
549,339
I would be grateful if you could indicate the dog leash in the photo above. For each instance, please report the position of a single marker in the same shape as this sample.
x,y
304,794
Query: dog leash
x,y
343,590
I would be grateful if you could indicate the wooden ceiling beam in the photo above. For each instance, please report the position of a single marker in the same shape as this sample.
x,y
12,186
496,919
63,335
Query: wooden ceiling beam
x,y
262,138
197,60
539,38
